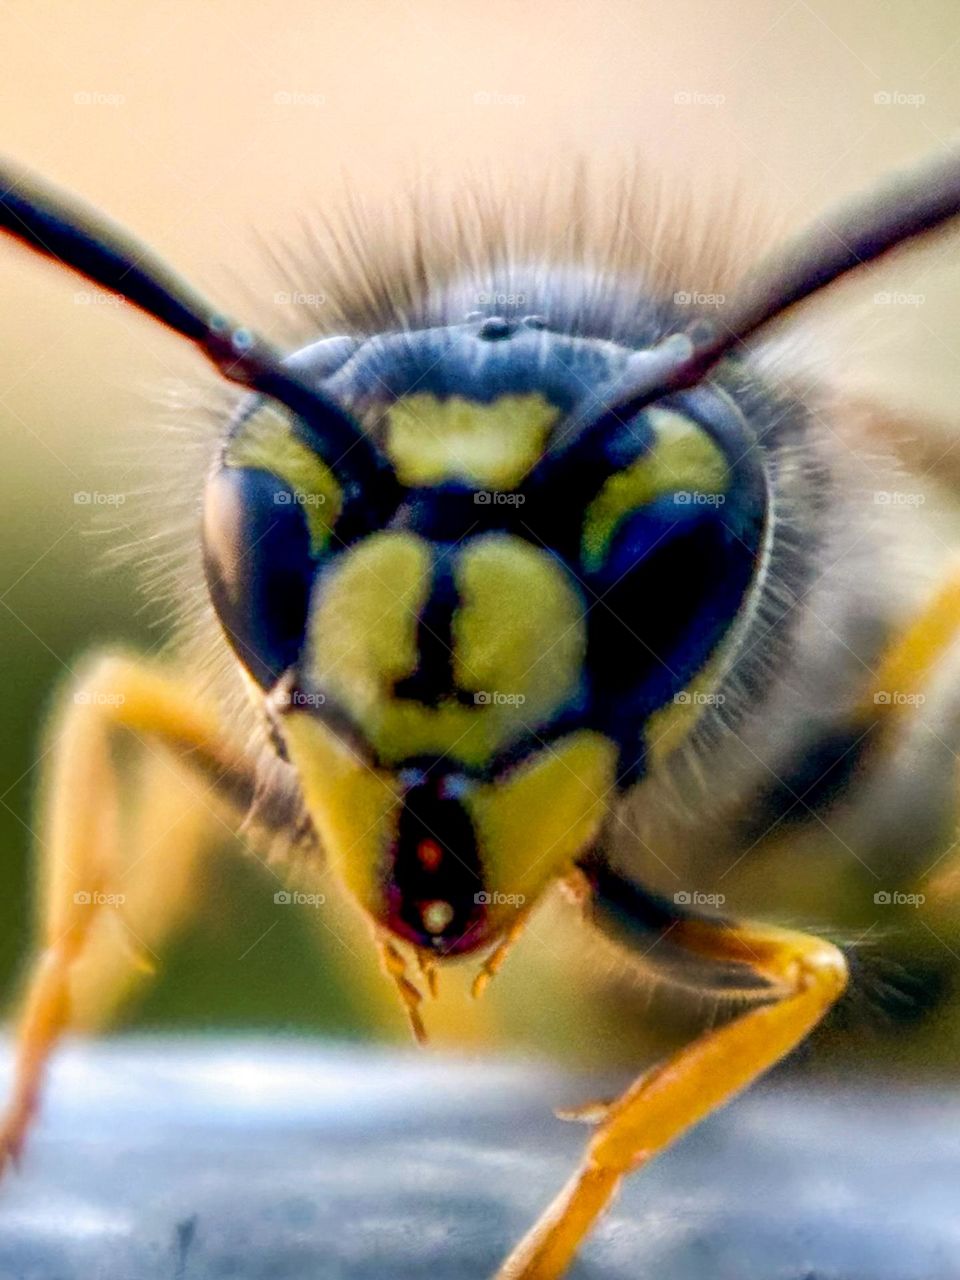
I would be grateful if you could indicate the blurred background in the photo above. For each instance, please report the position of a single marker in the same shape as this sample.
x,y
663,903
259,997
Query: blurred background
x,y
211,130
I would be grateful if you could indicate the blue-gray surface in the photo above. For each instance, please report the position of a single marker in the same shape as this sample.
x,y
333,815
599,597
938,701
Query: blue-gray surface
x,y
163,1160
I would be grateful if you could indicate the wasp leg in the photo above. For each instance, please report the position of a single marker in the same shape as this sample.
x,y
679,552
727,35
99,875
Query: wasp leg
x,y
194,781
797,977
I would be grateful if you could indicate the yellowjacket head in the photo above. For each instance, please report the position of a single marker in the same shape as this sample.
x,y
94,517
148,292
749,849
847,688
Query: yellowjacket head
x,y
460,651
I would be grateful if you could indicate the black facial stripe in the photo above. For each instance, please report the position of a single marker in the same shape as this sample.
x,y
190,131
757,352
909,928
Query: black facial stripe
x,y
433,679
451,512
554,488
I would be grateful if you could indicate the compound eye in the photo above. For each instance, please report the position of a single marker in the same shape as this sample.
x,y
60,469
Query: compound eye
x,y
670,542
268,520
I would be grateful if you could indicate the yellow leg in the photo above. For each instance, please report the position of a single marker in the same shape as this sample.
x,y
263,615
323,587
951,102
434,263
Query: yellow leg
x,y
808,976
104,901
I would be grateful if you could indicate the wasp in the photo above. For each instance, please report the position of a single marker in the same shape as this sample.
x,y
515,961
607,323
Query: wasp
x,y
524,586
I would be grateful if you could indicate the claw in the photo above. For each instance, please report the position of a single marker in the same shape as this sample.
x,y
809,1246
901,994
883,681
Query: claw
x,y
594,1112
14,1132
412,997
494,961
428,967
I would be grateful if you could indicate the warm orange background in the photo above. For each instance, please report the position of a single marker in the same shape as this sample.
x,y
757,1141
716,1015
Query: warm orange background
x,y
195,124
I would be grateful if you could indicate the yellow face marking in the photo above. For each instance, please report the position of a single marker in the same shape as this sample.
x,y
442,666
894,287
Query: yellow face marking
x,y
683,459
520,631
533,823
266,442
494,445
519,641
356,809
530,825
362,633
